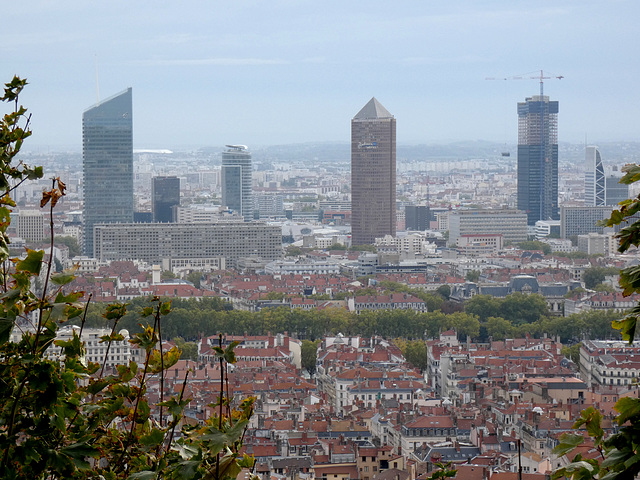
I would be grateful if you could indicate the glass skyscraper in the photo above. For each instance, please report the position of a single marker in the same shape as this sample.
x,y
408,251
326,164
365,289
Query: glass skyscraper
x,y
165,194
237,180
538,158
373,174
107,150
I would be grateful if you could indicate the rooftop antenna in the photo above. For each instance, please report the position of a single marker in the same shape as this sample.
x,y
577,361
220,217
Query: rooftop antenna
x,y
95,61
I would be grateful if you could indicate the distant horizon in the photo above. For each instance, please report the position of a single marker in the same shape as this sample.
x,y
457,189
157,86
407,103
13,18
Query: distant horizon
x,y
32,147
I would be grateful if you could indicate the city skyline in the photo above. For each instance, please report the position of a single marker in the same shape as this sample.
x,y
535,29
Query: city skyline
x,y
188,61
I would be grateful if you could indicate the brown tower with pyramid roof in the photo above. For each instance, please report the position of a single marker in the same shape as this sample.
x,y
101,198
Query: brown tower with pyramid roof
x,y
373,174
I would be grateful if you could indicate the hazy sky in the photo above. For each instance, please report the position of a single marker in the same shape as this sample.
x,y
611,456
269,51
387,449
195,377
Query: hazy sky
x,y
272,72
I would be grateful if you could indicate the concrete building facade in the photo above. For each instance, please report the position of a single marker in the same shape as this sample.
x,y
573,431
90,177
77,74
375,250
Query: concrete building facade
x,y
511,224
582,220
156,242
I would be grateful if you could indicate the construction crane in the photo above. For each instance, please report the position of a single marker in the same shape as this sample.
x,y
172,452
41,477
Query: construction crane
x,y
527,76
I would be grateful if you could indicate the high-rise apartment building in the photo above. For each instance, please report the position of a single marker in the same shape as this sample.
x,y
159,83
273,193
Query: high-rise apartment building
x,y
373,174
237,181
107,150
594,180
165,195
538,158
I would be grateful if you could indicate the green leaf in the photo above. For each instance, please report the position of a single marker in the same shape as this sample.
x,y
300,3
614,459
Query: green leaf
x,y
568,442
628,409
154,438
65,277
32,263
6,325
144,475
78,453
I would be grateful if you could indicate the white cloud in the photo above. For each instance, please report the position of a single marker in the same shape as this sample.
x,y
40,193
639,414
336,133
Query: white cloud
x,y
196,62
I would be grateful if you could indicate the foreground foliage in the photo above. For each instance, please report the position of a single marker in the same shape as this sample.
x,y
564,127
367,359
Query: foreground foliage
x,y
619,453
70,418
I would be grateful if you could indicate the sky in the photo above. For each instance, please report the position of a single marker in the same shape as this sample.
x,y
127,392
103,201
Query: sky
x,y
208,73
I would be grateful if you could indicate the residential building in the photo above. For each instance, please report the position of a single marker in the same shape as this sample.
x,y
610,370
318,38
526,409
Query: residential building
x,y
394,301
237,182
480,244
165,195
155,242
594,184
269,204
538,158
511,224
596,243
107,150
373,174
609,362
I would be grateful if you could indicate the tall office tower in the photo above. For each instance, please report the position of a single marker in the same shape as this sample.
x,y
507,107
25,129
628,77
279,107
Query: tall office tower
x,y
594,184
237,181
373,174
538,158
165,194
107,150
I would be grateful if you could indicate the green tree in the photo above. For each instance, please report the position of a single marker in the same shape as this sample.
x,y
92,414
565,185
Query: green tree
x,y
71,243
499,328
444,291
416,354
572,352
167,275
483,306
473,276
363,248
520,308
594,276
535,245
195,277
309,352
293,251
189,350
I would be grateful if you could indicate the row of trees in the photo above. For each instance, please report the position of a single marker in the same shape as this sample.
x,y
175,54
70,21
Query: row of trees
x,y
484,318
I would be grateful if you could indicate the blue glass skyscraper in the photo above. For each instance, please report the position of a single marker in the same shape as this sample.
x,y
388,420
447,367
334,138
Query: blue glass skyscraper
x,y
538,158
107,150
